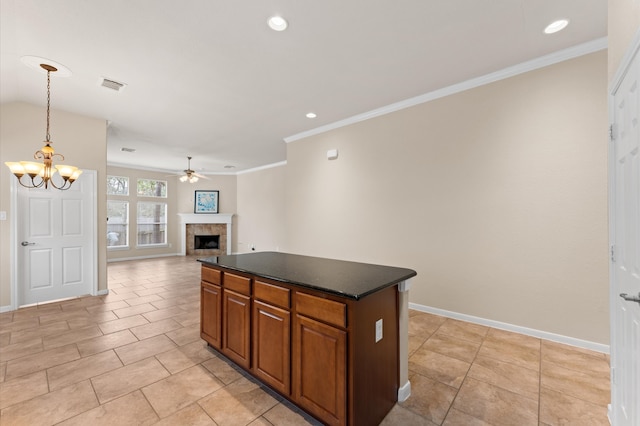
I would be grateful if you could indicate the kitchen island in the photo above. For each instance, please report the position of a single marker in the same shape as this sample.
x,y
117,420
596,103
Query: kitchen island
x,y
328,335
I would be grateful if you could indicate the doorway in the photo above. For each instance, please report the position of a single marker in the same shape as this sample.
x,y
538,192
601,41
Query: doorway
x,y
55,242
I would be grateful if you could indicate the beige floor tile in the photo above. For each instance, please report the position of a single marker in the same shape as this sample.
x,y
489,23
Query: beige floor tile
x,y
188,318
40,331
23,324
150,291
575,358
464,350
19,350
193,415
134,310
135,376
495,405
175,361
82,369
106,342
222,369
5,339
41,361
180,390
415,341
284,414
507,376
185,335
134,301
496,335
136,351
162,314
197,351
69,337
400,416
238,403
122,324
130,410
155,328
429,399
52,407
23,388
65,316
458,418
592,388
513,353
464,330
424,324
3,371
557,408
447,370
104,307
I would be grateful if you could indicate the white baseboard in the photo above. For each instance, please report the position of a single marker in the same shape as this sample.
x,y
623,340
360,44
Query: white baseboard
x,y
102,292
122,259
598,347
404,391
6,308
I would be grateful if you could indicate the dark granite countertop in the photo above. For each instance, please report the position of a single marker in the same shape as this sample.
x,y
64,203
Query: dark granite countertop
x,y
343,278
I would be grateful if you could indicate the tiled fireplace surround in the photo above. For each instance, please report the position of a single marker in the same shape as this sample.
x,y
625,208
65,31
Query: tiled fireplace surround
x,y
205,224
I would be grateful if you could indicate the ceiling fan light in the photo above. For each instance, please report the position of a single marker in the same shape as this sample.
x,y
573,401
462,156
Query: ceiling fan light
x,y
193,179
184,178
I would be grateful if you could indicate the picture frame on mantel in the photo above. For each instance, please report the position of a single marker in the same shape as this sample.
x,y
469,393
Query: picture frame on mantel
x,y
206,202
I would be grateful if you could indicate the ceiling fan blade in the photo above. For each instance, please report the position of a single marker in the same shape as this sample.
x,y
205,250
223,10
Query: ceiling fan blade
x,y
201,176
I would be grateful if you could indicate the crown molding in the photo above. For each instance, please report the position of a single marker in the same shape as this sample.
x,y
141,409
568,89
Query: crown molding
x,y
257,169
534,64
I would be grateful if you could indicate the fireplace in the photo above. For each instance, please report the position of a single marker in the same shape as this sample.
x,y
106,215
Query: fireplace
x,y
206,242
204,227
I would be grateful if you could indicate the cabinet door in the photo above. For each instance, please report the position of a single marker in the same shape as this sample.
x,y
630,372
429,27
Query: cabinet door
x,y
319,371
210,314
271,342
236,327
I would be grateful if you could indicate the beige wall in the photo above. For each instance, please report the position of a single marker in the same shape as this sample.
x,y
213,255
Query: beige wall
x,y
624,24
180,199
261,210
82,140
496,196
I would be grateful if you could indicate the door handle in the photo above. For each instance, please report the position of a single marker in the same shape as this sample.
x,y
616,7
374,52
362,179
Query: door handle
x,y
628,298
27,243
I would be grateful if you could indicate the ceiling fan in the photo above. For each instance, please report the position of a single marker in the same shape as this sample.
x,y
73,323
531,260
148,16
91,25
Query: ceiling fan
x,y
190,175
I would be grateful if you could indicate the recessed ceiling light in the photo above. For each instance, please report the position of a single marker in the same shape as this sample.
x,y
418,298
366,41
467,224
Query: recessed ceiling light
x,y
311,115
229,166
556,26
124,149
278,23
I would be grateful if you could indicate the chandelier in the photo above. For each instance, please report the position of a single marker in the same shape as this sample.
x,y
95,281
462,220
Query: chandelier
x,y
40,174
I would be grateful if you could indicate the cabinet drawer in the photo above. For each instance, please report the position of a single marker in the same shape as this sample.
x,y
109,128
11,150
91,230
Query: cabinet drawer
x,y
211,275
273,294
323,309
237,283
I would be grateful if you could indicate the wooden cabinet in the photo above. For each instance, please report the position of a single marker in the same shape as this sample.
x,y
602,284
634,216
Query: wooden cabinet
x,y
236,319
320,351
211,307
271,336
319,370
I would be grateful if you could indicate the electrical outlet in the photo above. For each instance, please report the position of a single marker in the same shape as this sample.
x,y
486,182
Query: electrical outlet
x,y
3,215
378,330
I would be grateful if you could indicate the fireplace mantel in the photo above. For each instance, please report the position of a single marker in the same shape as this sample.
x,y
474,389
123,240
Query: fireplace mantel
x,y
192,218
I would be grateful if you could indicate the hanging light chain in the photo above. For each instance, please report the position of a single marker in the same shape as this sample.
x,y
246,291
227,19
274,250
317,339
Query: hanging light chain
x,y
48,137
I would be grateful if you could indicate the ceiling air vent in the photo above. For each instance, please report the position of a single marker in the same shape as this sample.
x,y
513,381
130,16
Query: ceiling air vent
x,y
111,84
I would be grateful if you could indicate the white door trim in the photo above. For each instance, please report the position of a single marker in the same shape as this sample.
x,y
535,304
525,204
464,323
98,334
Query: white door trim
x,y
15,303
621,72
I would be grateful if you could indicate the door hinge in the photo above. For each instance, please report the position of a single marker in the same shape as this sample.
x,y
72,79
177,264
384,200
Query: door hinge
x,y
613,253
612,135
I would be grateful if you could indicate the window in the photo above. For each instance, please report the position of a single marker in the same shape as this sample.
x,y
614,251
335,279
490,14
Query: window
x,y
152,223
152,188
117,223
117,185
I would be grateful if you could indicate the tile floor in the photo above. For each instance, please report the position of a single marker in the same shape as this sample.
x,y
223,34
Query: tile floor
x,y
135,357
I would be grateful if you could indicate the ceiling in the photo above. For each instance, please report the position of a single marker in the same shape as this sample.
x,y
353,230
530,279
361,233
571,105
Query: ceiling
x,y
211,80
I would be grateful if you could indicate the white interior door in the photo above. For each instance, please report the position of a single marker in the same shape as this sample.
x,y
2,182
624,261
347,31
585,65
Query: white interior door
x,y
625,234
56,242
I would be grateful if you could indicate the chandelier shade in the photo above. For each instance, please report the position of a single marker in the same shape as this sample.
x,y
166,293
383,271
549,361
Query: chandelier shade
x,y
41,174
